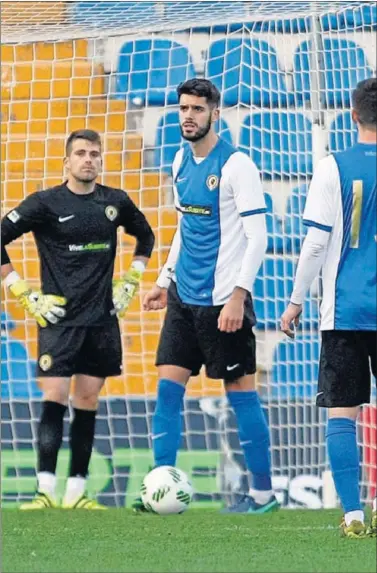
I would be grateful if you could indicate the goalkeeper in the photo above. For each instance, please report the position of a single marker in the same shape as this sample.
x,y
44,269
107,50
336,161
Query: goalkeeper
x,y
216,253
75,229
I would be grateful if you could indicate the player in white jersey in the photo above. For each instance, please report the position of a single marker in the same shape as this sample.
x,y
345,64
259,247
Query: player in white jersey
x,y
206,283
341,215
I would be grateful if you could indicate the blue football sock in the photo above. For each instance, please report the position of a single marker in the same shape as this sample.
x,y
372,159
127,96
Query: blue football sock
x,y
254,437
344,461
166,423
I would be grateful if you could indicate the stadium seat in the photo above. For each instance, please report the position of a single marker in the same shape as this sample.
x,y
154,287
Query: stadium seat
x,y
246,71
168,138
272,290
294,229
279,143
295,369
149,71
342,132
108,13
356,18
17,370
345,64
275,241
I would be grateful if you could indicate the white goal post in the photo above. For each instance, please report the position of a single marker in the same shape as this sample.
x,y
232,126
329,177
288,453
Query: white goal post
x,y
285,71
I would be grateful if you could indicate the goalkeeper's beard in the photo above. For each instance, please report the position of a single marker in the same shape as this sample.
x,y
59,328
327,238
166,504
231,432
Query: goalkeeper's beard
x,y
88,179
202,132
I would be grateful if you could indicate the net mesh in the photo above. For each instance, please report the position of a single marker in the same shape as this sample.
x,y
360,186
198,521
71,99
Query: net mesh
x,y
285,79
23,21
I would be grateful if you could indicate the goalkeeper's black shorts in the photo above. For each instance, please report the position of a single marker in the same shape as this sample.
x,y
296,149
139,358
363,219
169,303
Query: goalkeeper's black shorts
x,y
347,359
190,338
67,350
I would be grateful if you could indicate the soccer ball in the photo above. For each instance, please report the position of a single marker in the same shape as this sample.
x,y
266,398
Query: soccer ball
x,y
166,490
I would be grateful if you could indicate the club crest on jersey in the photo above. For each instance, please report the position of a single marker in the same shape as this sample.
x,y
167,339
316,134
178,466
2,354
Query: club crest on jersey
x,y
212,182
45,362
111,212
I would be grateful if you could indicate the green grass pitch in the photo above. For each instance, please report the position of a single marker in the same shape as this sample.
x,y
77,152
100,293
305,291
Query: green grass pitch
x,y
200,541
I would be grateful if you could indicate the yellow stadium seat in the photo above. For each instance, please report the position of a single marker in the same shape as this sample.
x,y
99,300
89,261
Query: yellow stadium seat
x,y
19,111
112,180
7,53
131,180
58,109
96,122
37,127
55,147
35,148
21,90
34,166
16,150
44,51
39,110
78,107
17,128
40,89
58,126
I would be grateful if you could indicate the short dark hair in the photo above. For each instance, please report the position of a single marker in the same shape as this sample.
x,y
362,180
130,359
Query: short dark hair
x,y
202,88
364,102
87,134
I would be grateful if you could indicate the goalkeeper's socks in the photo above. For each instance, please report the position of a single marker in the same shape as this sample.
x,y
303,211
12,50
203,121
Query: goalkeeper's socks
x,y
254,439
81,441
344,461
75,489
50,436
46,483
166,423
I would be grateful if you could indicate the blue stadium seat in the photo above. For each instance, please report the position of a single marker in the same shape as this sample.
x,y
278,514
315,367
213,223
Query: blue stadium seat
x,y
345,64
359,18
151,69
295,369
272,290
342,132
168,138
111,13
279,143
294,228
246,71
17,370
275,240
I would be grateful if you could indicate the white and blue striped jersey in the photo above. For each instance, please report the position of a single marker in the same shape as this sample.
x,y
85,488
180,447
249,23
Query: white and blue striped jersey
x,y
216,198
342,201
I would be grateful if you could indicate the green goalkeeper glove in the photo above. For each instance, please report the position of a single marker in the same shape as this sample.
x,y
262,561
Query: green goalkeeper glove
x,y
125,289
45,308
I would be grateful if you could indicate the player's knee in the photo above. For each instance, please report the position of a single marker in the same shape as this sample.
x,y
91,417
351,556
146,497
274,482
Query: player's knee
x,y
85,401
243,384
58,395
348,412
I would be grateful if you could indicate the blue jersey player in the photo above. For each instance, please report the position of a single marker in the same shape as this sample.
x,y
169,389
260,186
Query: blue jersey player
x,y
340,213
206,284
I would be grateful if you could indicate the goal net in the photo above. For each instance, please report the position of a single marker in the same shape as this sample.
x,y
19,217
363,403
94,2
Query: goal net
x,y
285,71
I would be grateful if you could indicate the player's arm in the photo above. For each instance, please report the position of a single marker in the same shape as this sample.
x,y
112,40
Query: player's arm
x,y
25,218
156,299
249,197
319,217
136,225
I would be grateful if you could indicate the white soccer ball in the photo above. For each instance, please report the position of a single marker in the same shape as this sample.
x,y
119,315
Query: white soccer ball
x,y
166,490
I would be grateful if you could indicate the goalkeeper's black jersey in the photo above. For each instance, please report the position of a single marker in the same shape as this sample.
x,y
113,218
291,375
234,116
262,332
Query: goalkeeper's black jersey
x,y
76,237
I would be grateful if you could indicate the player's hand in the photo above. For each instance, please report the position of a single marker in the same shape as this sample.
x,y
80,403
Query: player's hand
x,y
231,316
156,299
291,315
45,308
124,290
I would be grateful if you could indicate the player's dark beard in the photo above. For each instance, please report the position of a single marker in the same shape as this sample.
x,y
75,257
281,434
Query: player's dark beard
x,y
202,132
87,179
